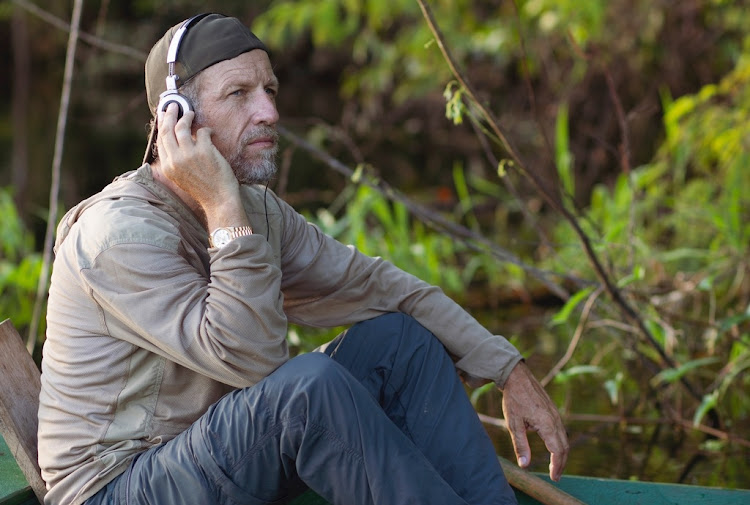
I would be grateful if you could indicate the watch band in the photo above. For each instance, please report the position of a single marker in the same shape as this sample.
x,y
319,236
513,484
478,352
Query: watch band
x,y
222,236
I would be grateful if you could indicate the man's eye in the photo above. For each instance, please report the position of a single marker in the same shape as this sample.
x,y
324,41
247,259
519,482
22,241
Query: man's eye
x,y
237,92
271,91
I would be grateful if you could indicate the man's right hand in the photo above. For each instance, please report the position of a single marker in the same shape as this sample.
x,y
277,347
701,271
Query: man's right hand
x,y
193,164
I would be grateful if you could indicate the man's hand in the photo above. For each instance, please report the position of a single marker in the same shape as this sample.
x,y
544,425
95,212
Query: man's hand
x,y
194,165
527,407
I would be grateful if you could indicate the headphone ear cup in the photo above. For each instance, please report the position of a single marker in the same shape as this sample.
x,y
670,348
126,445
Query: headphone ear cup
x,y
183,103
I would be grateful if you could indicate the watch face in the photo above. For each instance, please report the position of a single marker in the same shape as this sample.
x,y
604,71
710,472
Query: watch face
x,y
221,237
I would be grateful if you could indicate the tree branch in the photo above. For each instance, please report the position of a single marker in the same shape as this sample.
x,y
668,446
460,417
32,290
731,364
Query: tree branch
x,y
473,240
604,419
93,40
62,120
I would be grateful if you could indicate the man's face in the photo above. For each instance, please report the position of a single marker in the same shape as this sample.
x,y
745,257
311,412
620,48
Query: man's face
x,y
237,100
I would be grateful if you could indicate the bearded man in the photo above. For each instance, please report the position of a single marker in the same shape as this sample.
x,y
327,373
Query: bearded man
x,y
166,373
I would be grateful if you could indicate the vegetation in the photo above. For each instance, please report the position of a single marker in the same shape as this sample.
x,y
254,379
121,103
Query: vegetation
x,y
579,182
19,265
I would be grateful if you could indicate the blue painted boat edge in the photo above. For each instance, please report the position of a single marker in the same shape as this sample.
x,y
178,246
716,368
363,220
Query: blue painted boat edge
x,y
23,496
12,480
628,492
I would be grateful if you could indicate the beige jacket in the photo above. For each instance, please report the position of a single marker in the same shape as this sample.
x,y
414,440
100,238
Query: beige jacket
x,y
147,326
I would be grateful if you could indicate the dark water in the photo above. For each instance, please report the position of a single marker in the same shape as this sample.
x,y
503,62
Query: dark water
x,y
647,447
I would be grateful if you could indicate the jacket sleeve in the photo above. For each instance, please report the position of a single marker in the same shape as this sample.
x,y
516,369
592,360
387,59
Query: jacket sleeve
x,y
326,283
227,324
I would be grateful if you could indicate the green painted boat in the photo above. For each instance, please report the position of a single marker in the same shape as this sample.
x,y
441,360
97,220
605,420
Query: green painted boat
x,y
15,491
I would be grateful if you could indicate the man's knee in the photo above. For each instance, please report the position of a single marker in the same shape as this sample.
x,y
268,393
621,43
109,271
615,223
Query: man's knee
x,y
311,372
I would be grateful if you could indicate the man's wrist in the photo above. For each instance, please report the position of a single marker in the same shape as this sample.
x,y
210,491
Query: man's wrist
x,y
225,234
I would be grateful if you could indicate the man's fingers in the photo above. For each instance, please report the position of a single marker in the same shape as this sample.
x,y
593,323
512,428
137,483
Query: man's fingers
x,y
556,441
182,129
203,136
166,123
557,465
527,406
520,443
175,135
167,118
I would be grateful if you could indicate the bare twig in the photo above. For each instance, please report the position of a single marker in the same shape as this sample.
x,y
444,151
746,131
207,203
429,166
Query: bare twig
x,y
509,184
93,40
574,341
605,419
527,81
473,240
624,162
62,120
21,75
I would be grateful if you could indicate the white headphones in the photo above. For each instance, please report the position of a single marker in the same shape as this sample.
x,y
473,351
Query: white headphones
x,y
171,94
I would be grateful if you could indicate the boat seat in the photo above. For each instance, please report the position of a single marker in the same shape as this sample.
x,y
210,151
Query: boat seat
x,y
19,402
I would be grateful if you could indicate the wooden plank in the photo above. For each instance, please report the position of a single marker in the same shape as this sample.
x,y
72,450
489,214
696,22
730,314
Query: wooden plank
x,y
536,487
19,401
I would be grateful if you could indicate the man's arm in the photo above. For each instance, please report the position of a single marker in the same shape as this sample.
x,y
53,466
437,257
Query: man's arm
x,y
327,283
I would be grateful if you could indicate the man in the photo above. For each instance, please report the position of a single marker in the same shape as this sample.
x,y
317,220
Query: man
x,y
166,374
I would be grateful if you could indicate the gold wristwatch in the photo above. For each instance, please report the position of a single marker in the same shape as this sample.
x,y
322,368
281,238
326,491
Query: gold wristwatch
x,y
222,236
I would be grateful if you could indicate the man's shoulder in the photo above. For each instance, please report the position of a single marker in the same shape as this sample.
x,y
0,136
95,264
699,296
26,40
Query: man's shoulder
x,y
111,219
127,217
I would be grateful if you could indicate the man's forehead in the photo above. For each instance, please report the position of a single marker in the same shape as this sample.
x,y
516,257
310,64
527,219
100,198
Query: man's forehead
x,y
251,65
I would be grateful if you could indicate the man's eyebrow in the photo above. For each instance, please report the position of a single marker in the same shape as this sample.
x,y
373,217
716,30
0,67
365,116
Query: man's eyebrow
x,y
232,81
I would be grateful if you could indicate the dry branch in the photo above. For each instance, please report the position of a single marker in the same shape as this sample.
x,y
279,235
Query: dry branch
x,y
93,40
472,239
54,193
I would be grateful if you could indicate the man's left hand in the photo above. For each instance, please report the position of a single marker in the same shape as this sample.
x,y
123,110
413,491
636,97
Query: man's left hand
x,y
527,407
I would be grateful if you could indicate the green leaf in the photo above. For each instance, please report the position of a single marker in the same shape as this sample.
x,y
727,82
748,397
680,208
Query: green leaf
x,y
576,371
563,314
612,386
454,107
563,157
502,167
638,274
481,391
672,375
709,402
356,177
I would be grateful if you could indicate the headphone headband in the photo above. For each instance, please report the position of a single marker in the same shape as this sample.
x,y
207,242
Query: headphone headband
x,y
174,47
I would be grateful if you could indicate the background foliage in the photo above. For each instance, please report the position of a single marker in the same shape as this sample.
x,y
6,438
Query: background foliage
x,y
633,112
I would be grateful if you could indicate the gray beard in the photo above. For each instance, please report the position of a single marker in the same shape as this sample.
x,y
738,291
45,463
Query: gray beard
x,y
258,169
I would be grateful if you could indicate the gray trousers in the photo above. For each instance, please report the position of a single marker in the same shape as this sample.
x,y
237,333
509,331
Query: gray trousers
x,y
378,417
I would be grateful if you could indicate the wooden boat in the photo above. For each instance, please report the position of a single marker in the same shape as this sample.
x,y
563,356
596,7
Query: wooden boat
x,y
14,490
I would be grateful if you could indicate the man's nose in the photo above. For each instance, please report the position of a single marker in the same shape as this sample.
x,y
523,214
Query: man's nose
x,y
265,110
